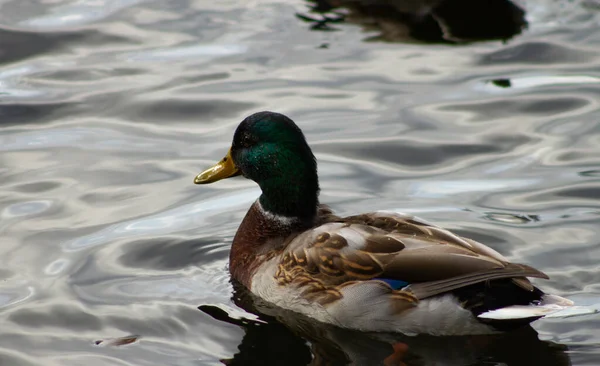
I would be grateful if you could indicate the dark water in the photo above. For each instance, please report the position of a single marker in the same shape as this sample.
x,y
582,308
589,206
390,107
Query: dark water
x,y
109,108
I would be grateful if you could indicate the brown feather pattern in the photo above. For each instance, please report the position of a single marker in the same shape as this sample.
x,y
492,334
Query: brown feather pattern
x,y
341,251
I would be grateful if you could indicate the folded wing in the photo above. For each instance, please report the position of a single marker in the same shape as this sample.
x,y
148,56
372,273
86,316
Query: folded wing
x,y
393,246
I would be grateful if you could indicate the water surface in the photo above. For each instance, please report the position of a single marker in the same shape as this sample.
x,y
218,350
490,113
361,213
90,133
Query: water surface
x,y
108,109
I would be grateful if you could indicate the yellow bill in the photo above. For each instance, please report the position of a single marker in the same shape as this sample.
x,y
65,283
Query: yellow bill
x,y
221,170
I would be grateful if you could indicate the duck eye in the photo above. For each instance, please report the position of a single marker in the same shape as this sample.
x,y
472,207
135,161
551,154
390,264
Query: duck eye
x,y
247,140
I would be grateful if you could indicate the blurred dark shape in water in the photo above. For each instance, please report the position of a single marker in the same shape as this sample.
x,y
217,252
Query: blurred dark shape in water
x,y
279,338
429,21
501,83
509,218
117,342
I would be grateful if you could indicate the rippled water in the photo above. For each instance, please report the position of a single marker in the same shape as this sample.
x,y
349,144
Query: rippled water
x,y
109,108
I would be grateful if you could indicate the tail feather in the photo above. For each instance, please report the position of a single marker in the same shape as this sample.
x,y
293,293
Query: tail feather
x,y
551,306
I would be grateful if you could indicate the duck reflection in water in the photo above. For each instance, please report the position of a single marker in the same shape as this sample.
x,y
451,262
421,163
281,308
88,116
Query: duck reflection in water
x,y
435,21
282,337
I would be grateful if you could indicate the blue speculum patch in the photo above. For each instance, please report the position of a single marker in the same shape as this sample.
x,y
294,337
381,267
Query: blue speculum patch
x,y
395,284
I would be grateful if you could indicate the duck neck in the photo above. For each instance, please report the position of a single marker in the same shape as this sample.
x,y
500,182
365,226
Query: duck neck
x,y
290,200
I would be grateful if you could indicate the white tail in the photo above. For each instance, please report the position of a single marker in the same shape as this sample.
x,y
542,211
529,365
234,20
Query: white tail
x,y
551,306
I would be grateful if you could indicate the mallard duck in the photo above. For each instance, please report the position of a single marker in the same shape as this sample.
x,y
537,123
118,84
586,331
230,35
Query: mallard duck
x,y
378,271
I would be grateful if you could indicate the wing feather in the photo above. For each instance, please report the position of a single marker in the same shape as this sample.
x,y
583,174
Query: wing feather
x,y
386,245
432,288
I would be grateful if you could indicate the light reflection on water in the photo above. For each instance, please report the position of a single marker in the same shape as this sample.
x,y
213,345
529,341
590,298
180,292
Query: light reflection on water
x,y
109,109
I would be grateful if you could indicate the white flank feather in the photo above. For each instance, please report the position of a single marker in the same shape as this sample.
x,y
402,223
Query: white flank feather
x,y
552,306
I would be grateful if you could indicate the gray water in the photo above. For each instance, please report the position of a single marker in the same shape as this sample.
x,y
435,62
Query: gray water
x,y
109,108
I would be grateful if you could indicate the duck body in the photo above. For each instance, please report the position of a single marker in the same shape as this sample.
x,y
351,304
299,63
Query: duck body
x,y
344,271
379,271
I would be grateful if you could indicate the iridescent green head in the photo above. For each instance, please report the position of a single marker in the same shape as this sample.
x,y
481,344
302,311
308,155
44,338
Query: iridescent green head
x,y
270,149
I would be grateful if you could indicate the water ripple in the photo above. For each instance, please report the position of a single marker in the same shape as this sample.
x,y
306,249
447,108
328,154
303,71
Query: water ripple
x,y
109,109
